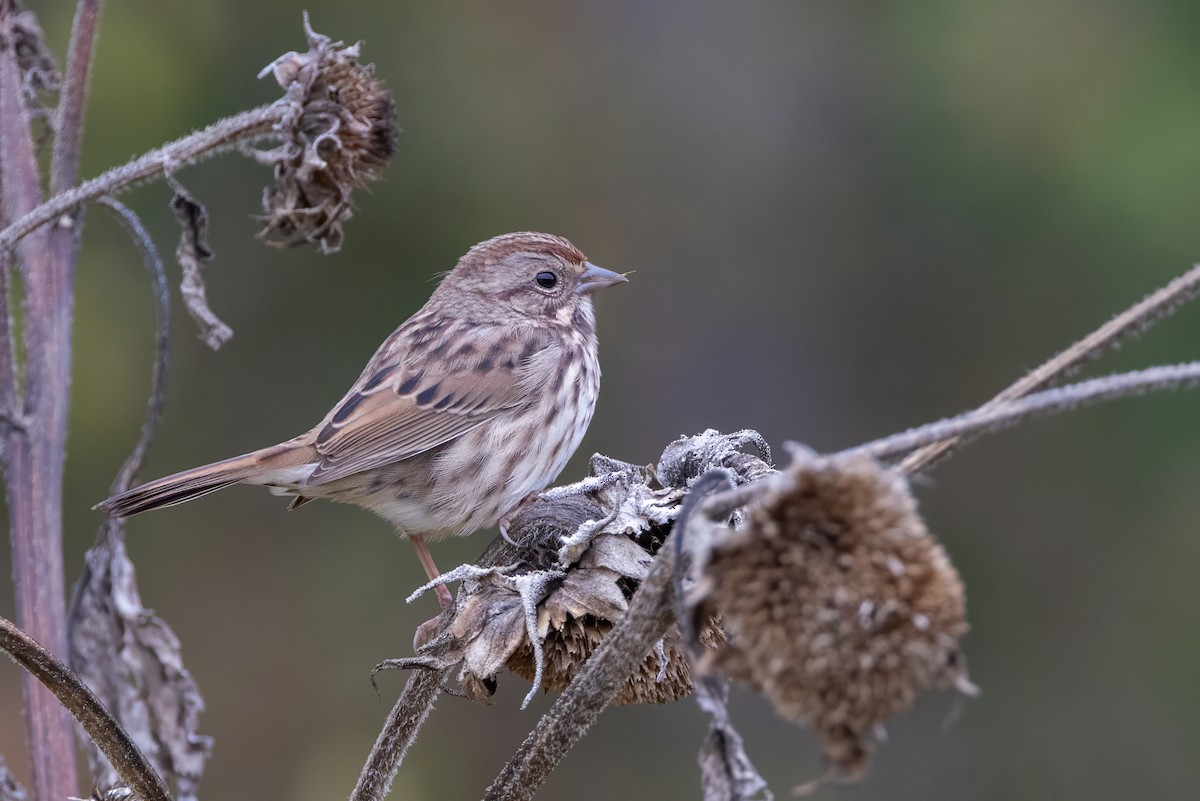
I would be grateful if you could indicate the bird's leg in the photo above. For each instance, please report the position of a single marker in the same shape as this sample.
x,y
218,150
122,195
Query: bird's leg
x,y
431,570
426,629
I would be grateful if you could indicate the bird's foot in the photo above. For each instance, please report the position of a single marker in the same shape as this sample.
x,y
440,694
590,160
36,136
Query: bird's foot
x,y
426,630
506,520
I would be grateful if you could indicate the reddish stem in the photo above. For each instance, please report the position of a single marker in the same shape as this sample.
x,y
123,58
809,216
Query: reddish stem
x,y
35,447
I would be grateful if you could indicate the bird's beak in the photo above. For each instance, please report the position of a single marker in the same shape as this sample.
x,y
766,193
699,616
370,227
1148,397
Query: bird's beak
x,y
594,278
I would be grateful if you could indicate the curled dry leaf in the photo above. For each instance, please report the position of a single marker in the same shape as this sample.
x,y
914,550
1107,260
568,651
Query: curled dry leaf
x,y
10,788
131,660
838,604
39,70
726,772
192,251
582,552
338,136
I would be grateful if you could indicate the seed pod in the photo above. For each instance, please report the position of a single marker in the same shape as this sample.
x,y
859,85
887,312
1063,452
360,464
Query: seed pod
x,y
838,604
339,135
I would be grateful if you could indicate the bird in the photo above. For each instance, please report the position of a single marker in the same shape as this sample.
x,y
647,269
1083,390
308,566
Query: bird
x,y
473,405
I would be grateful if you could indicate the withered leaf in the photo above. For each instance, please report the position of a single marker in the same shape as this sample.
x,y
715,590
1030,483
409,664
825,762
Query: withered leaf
x,y
193,249
10,788
131,660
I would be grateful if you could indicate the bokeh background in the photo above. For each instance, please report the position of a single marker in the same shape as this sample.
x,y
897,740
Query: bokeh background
x,y
845,219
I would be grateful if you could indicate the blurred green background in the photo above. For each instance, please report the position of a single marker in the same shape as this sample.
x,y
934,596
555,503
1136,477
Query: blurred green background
x,y
845,219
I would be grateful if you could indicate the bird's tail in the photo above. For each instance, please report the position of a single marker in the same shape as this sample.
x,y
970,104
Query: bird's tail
x,y
267,466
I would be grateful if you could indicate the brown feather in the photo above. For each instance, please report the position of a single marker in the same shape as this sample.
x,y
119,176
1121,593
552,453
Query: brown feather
x,y
418,406
199,481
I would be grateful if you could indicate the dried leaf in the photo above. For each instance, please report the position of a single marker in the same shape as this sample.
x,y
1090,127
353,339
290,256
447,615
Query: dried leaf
x,y
726,773
618,554
131,660
584,592
192,250
40,76
10,788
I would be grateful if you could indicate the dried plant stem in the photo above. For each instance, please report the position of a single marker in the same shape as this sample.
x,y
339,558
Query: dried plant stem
x,y
9,406
104,730
993,417
986,419
162,304
34,451
398,733
1133,320
64,159
220,136
649,616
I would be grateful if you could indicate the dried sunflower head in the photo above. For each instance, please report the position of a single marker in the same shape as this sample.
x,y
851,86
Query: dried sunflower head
x,y
547,602
838,604
339,134
582,608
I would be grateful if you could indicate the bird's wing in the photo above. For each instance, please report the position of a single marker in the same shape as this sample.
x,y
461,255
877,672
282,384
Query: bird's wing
x,y
431,382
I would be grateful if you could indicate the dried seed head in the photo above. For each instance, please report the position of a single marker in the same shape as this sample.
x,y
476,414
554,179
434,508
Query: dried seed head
x,y
839,605
340,133
581,553
581,610
663,676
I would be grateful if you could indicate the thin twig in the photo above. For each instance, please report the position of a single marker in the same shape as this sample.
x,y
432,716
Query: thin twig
x,y
986,419
990,418
651,612
222,135
162,303
64,160
1133,320
398,733
100,725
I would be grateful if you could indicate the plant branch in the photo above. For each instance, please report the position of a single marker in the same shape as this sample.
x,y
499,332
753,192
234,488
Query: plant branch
x,y
158,381
34,457
100,725
398,733
1135,319
992,417
64,159
222,135
984,420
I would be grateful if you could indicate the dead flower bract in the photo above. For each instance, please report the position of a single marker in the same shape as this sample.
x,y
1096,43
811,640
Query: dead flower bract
x,y
338,136
838,604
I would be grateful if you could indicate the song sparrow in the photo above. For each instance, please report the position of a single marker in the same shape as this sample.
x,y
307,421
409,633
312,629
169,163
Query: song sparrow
x,y
472,404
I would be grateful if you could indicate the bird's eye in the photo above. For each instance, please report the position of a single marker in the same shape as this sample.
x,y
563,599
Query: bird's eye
x,y
546,279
